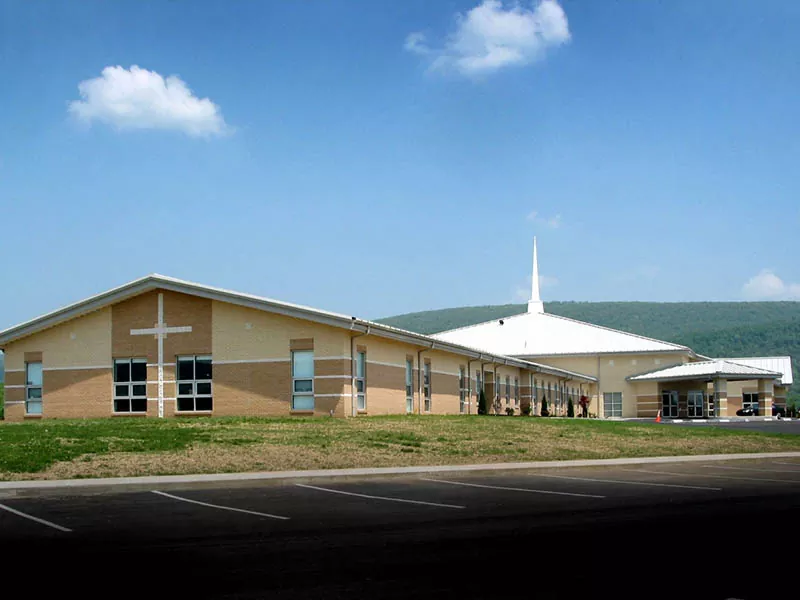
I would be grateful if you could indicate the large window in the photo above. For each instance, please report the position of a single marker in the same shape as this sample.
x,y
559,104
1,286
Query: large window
x,y
462,390
477,387
508,390
426,386
612,404
303,380
669,403
130,385
361,380
409,386
516,392
33,388
750,400
194,384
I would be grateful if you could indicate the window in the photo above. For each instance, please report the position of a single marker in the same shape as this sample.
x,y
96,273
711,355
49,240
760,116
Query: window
x,y
516,392
361,380
508,390
303,380
426,386
534,396
33,388
130,385
477,386
409,386
750,400
194,384
462,390
612,404
669,403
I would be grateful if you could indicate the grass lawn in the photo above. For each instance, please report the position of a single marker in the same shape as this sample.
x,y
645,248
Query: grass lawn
x,y
126,447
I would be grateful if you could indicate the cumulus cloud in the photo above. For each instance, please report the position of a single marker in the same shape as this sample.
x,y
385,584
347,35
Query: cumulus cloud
x,y
768,286
553,222
136,98
495,35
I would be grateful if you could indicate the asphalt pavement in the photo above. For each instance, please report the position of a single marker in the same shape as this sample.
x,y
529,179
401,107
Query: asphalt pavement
x,y
791,427
682,530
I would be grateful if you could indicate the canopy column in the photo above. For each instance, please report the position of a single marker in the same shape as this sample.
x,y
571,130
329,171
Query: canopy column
x,y
766,396
720,397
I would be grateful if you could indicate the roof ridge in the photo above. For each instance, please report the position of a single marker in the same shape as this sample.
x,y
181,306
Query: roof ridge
x,y
482,322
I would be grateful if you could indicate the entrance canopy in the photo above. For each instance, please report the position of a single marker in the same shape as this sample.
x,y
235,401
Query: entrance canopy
x,y
707,370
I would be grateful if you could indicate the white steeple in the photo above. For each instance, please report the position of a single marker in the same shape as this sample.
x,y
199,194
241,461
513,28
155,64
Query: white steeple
x,y
535,304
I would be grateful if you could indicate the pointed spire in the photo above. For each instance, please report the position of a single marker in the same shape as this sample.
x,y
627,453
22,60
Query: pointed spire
x,y
535,304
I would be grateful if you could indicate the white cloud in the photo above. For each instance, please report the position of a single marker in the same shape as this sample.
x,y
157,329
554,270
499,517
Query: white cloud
x,y
495,35
523,292
136,98
768,286
553,222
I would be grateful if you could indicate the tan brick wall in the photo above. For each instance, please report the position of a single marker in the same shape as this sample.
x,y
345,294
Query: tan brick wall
x,y
141,312
81,342
386,387
648,405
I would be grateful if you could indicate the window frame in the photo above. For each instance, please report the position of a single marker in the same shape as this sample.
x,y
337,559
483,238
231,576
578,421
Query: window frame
x,y
31,386
426,387
508,390
516,391
462,390
750,403
669,408
295,379
409,386
613,403
194,383
129,396
361,381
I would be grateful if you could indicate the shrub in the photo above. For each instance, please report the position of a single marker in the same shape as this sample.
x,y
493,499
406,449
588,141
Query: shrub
x,y
570,408
481,403
509,411
526,410
545,412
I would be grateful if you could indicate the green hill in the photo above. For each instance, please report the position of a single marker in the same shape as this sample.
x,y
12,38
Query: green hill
x,y
709,328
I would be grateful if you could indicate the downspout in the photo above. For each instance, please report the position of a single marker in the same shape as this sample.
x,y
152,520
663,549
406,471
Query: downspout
x,y
353,409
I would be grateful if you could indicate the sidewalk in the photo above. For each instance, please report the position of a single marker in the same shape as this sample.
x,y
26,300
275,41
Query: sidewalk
x,y
120,484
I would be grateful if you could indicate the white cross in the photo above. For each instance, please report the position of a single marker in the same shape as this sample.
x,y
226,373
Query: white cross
x,y
160,331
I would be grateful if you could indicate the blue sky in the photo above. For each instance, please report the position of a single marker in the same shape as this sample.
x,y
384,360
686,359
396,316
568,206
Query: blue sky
x,y
383,157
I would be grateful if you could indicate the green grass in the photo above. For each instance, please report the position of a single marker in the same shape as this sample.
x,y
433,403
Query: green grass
x,y
126,447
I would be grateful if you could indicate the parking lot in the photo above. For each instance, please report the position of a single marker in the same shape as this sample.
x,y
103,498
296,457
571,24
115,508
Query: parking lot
x,y
241,534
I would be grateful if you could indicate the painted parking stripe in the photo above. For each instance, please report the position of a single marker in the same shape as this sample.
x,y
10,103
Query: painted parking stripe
x,y
230,508
711,475
511,489
749,469
647,483
789,464
32,518
332,491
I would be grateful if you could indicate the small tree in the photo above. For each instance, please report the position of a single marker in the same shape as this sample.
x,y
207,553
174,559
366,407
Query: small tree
x,y
481,403
570,408
545,412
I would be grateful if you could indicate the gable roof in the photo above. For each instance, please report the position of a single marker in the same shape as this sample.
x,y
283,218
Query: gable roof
x,y
708,369
541,334
156,281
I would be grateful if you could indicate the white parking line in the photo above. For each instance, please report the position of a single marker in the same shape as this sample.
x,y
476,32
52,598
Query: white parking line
x,y
749,469
241,510
512,489
322,489
790,464
37,519
710,475
650,483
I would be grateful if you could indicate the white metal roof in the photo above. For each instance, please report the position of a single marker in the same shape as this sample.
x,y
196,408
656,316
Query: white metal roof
x,y
707,369
780,364
540,334
156,281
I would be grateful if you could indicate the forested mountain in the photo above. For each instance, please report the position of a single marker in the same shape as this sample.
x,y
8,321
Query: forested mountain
x,y
715,329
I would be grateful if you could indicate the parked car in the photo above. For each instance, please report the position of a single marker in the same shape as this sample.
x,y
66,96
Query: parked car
x,y
778,411
747,412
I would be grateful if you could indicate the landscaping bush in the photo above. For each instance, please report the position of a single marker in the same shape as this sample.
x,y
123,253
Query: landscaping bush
x,y
545,412
509,411
481,403
526,410
570,408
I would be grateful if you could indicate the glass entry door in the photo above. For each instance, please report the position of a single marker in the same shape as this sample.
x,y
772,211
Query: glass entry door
x,y
669,403
695,403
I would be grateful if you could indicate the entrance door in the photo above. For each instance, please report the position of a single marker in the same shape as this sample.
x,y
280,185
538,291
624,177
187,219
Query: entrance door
x,y
669,403
695,403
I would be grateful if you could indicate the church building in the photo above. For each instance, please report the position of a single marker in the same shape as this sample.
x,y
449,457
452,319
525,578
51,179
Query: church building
x,y
163,347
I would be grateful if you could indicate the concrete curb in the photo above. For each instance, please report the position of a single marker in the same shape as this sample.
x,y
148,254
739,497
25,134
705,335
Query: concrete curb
x,y
118,484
